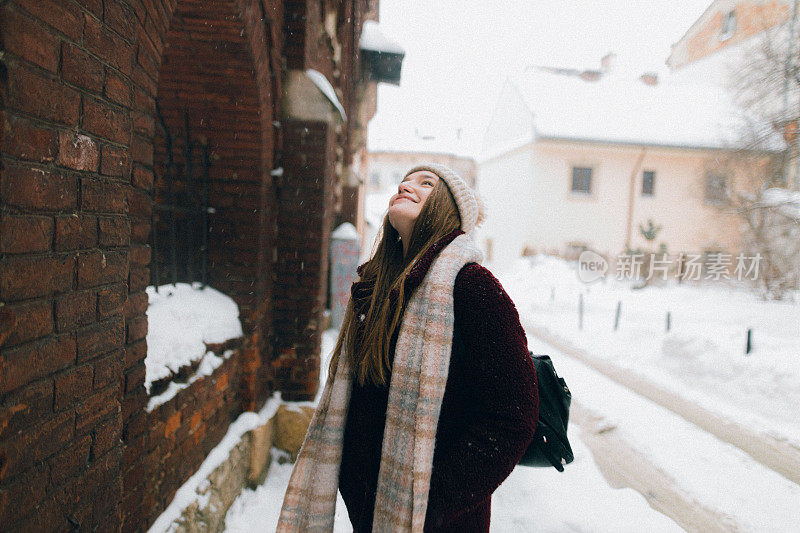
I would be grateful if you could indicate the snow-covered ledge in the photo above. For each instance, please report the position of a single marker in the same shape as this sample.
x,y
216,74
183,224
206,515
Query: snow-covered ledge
x,y
186,324
309,95
239,460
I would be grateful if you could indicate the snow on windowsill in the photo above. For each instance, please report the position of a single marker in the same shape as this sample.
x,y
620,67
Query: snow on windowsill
x,y
182,319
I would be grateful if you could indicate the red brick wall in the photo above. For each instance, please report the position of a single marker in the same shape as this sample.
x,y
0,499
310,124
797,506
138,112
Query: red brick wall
x,y
174,440
304,220
66,201
78,171
211,67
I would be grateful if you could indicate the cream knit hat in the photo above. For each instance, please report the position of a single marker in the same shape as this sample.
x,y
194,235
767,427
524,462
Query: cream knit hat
x,y
470,208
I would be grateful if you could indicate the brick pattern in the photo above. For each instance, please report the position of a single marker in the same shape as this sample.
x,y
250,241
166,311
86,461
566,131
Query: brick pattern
x,y
233,110
224,110
79,167
166,446
64,244
301,268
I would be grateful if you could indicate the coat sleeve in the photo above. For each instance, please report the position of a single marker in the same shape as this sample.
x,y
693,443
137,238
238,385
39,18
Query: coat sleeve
x,y
504,404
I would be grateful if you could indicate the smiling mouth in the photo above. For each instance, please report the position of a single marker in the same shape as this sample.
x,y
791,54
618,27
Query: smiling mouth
x,y
402,198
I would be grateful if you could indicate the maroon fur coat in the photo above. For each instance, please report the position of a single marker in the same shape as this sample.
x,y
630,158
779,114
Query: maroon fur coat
x,y
489,410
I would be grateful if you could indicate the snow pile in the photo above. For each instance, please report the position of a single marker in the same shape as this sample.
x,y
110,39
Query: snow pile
x,y
702,358
345,232
180,319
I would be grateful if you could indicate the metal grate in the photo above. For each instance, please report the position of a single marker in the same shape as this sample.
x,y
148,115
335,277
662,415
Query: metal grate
x,y
180,215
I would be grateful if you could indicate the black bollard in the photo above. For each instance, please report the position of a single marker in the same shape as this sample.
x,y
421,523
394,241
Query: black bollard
x,y
749,346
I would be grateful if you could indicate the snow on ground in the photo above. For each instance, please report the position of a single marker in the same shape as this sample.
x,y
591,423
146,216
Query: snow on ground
x,y
258,510
278,474
180,318
715,474
577,500
531,499
702,358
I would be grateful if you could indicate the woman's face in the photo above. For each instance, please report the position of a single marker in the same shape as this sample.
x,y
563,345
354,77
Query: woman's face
x,y
405,206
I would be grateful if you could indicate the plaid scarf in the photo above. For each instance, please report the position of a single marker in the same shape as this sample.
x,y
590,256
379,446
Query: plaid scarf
x,y
418,379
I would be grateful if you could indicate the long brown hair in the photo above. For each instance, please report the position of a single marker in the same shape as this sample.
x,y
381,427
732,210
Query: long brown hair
x,y
388,268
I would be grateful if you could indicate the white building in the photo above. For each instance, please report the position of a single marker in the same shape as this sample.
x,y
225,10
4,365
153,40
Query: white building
x,y
576,160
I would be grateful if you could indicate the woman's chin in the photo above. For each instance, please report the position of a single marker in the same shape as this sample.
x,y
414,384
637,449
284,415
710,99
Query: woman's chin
x,y
400,217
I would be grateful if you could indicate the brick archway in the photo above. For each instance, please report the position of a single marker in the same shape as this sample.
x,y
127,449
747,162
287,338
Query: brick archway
x,y
214,59
216,68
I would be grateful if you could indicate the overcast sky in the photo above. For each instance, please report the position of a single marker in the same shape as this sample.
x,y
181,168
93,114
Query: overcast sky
x,y
458,52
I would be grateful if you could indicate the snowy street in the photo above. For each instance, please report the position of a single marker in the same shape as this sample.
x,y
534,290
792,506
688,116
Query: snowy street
x,y
531,499
701,482
620,440
630,451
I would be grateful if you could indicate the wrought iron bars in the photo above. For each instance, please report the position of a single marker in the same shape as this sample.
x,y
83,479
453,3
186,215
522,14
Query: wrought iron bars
x,y
184,210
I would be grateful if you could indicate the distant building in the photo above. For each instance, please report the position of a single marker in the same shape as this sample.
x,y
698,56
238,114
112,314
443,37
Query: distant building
x,y
386,169
572,162
725,23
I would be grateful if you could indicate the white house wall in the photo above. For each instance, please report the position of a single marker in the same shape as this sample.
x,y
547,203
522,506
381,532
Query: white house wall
x,y
504,185
530,205
511,124
596,220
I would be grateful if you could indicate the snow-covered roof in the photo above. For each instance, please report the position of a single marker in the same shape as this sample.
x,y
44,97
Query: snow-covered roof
x,y
625,110
372,38
389,133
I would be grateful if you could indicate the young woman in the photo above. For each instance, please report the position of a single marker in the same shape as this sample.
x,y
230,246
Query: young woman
x,y
431,398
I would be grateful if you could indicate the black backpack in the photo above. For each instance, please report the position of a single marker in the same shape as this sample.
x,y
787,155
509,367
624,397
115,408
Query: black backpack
x,y
550,446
